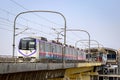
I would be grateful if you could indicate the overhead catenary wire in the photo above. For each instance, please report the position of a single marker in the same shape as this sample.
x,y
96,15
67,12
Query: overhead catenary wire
x,y
19,24
40,31
31,21
5,29
22,18
45,26
27,20
10,23
34,13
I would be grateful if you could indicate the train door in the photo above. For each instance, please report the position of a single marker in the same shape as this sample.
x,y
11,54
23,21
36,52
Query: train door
x,y
42,50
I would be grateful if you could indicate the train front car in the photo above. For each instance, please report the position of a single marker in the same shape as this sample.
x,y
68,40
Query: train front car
x,y
28,49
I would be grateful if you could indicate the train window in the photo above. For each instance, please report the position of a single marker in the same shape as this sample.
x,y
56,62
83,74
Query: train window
x,y
66,50
42,46
23,45
59,49
88,56
108,56
70,51
113,56
78,52
53,48
27,44
75,52
31,45
47,47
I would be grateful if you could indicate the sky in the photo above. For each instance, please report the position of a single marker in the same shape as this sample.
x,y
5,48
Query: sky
x,y
101,18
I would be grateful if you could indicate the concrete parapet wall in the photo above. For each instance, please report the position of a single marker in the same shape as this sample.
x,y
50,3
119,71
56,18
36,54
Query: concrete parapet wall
x,y
20,67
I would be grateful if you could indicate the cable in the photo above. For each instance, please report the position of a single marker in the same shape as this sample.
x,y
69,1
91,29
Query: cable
x,y
6,29
10,21
23,19
34,13
18,4
7,11
71,38
20,24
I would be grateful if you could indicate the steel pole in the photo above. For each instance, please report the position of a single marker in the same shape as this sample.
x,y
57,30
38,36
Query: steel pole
x,y
14,27
82,31
87,40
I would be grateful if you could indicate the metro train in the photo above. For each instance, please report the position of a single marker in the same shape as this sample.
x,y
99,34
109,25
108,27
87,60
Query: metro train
x,y
108,55
39,49
112,62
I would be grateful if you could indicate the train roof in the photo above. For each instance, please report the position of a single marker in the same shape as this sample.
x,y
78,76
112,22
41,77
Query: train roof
x,y
101,49
40,38
53,41
50,41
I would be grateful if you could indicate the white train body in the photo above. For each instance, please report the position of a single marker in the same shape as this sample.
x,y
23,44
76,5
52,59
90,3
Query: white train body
x,y
40,49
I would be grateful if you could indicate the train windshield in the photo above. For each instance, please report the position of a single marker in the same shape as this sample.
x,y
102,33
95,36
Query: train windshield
x,y
27,44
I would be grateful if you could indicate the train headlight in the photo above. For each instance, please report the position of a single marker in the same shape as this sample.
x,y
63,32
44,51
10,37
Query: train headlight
x,y
33,60
20,59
